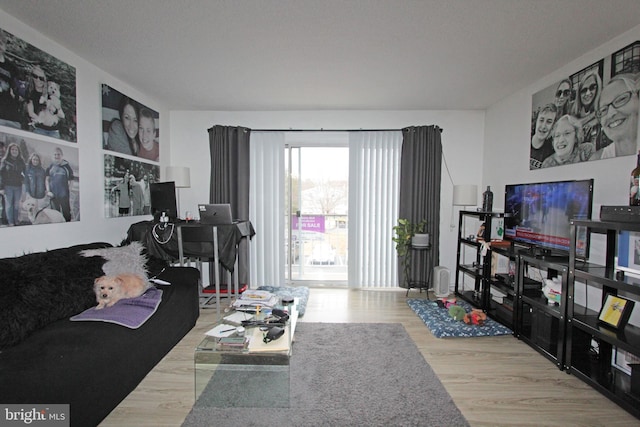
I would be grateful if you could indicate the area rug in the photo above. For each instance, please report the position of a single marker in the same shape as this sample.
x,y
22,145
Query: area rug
x,y
350,374
442,325
300,292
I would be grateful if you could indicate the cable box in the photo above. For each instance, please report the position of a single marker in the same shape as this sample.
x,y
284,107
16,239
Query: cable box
x,y
620,213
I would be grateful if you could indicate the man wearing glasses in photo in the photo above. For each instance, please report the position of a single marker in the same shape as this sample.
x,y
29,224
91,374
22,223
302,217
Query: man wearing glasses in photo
x,y
618,115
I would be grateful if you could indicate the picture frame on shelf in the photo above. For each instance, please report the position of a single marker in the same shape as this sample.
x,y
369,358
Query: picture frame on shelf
x,y
615,311
628,253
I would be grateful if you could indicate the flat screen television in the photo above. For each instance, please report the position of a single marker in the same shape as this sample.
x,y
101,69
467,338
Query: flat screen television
x,y
540,215
163,199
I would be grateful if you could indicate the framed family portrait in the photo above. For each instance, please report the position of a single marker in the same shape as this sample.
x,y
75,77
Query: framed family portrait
x,y
615,311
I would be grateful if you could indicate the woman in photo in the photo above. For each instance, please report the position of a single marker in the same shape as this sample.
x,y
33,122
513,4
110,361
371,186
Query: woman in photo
x,y
38,104
568,145
618,115
587,100
564,100
34,180
11,178
123,132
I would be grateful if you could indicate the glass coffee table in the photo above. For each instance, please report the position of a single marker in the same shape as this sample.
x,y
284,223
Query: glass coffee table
x,y
229,373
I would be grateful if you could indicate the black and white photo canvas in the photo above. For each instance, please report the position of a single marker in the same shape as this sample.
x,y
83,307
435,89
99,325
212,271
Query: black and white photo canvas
x,y
42,186
37,90
129,127
126,186
589,115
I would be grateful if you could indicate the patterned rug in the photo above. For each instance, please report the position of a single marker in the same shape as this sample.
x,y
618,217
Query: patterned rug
x,y
442,325
300,292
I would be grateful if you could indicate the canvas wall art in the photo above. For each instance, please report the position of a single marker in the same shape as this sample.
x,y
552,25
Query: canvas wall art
x,y
39,181
37,90
129,127
126,186
589,115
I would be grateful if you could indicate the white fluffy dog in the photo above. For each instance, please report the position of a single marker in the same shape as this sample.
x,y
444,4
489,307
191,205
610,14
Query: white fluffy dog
x,y
111,289
38,213
51,115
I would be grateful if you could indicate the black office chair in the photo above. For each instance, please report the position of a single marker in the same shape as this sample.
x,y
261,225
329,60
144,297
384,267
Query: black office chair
x,y
199,242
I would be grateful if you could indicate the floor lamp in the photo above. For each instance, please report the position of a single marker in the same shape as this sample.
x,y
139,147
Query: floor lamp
x,y
181,176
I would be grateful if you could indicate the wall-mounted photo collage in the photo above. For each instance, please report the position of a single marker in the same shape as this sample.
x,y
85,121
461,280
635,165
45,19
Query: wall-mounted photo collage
x,y
39,167
130,131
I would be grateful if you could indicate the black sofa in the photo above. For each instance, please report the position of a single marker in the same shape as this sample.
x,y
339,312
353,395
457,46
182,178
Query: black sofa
x,y
47,359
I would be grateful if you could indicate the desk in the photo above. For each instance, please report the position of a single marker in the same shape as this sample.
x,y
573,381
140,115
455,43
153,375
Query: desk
x,y
163,243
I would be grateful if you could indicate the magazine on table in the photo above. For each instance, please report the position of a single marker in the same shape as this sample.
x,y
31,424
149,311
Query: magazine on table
x,y
249,300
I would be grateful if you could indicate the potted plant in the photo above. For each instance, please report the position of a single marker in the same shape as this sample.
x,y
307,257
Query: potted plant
x,y
405,231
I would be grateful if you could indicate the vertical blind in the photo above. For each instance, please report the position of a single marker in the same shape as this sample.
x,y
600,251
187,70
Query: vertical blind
x,y
374,174
266,208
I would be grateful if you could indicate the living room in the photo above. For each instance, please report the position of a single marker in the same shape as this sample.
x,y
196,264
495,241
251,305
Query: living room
x,y
483,146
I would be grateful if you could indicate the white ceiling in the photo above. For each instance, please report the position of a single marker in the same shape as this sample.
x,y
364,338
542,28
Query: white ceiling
x,y
328,54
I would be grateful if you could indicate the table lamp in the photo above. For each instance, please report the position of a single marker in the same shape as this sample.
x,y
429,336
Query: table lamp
x,y
465,195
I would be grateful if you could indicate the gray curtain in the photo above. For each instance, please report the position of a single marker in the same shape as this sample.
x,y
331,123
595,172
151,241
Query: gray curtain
x,y
229,147
420,167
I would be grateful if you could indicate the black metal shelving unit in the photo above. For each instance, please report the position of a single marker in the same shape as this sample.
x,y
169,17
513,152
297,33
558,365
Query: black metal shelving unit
x,y
591,345
479,270
539,323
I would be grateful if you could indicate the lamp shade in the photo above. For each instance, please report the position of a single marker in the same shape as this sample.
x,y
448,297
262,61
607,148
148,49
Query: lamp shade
x,y
180,175
465,195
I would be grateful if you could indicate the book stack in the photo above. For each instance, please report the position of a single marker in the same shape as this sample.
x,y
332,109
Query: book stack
x,y
232,343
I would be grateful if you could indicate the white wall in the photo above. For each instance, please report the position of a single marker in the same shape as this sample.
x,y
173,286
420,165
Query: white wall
x,y
461,140
93,226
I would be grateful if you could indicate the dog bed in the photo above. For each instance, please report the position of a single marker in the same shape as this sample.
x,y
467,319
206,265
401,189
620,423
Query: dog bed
x,y
301,292
442,325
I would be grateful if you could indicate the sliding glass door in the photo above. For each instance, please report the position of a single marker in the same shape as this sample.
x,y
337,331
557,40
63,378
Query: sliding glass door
x,y
316,211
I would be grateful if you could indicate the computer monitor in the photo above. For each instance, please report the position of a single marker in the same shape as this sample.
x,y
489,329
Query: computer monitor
x,y
163,199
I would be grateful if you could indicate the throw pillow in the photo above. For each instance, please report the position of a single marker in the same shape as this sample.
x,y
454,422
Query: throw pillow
x,y
123,259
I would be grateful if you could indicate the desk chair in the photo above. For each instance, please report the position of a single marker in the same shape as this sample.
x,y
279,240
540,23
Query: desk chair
x,y
207,237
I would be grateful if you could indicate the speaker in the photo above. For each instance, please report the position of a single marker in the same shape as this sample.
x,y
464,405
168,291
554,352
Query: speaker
x,y
441,281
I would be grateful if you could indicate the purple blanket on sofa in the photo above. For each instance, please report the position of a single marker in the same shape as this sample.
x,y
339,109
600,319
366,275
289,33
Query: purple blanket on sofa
x,y
130,312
